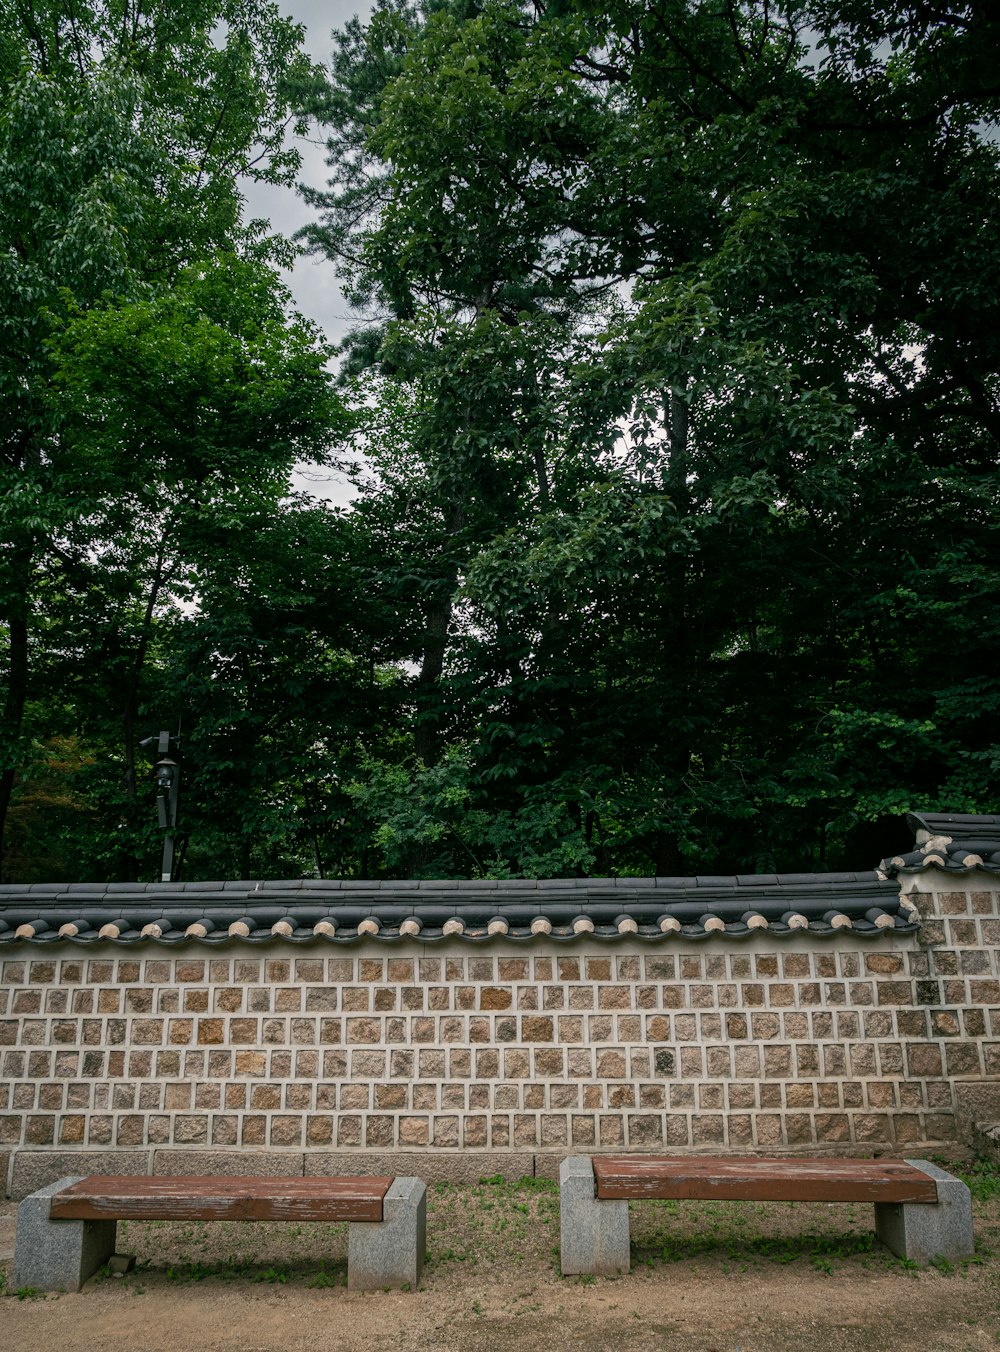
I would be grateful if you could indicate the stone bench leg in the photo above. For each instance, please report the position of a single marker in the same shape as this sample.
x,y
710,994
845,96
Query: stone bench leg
x,y
57,1255
593,1235
390,1252
923,1232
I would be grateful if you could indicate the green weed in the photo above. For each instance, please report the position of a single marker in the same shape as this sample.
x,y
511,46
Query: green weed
x,y
822,1250
279,1275
323,1279
982,1179
192,1272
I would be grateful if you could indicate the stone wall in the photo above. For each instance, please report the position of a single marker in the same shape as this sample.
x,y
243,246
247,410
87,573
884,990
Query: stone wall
x,y
296,1058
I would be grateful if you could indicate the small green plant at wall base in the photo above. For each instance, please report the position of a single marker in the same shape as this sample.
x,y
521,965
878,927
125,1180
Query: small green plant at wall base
x,y
981,1178
272,1274
322,1279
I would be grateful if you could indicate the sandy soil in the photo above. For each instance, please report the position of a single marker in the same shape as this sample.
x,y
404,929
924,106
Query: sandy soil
x,y
732,1277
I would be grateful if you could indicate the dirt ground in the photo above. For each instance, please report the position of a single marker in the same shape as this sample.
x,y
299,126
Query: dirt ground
x,y
706,1277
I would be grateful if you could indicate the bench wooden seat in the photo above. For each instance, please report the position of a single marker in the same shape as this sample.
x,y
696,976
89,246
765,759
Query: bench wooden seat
x,y
66,1231
200,1198
754,1179
921,1212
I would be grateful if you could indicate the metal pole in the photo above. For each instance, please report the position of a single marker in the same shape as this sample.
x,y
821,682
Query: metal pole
x,y
166,873
168,777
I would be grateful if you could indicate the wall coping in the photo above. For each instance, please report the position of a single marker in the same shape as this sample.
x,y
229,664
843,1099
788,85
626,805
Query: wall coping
x,y
345,911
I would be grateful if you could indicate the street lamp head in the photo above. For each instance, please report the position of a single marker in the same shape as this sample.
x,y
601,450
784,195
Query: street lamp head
x,y
165,773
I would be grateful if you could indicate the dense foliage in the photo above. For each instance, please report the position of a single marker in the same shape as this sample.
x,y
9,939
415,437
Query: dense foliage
x,y
156,392
677,387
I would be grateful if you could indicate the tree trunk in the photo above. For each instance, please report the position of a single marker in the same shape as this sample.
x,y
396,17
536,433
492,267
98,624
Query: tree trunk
x,y
538,439
666,856
132,863
12,719
426,733
675,620
678,431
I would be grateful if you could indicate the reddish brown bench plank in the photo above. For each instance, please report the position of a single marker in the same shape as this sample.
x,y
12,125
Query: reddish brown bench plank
x,y
760,1180
103,1197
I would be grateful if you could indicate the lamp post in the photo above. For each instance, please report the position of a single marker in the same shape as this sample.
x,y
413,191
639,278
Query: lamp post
x,y
167,776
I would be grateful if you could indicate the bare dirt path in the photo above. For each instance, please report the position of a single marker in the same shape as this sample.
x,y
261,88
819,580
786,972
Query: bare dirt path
x,y
730,1277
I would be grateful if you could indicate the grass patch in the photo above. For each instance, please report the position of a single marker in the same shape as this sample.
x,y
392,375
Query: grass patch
x,y
262,1253
982,1179
507,1231
240,1268
742,1234
21,1292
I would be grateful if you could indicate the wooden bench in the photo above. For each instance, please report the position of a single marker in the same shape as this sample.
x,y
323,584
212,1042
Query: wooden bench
x,y
921,1212
66,1231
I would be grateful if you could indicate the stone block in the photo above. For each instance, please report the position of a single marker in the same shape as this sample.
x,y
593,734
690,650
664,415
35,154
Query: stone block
x,y
460,1166
593,1235
34,1169
229,1163
922,1232
547,1163
988,1142
390,1252
57,1255
975,1103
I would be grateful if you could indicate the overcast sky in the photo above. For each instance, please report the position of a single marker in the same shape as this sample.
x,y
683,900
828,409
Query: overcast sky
x,y
312,281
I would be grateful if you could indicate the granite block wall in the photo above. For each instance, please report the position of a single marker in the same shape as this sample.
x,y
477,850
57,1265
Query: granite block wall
x,y
803,1044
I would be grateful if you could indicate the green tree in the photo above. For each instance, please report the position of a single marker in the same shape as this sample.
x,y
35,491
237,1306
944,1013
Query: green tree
x,y
185,414
280,673
464,252
750,254
124,132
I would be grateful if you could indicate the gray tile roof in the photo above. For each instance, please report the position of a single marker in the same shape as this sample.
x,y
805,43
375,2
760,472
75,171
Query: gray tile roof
x,y
956,842
342,912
